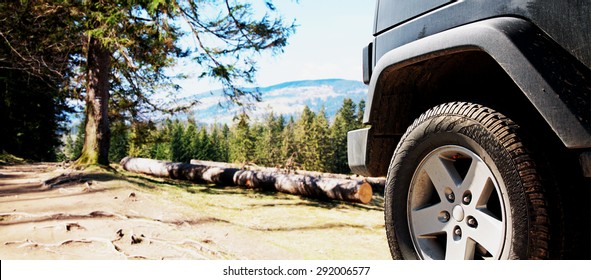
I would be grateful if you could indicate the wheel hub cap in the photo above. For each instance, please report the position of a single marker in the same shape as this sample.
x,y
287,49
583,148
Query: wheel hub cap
x,y
458,213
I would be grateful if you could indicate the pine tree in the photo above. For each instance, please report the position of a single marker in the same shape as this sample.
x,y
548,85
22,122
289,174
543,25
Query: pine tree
x,y
205,149
122,49
160,141
288,145
140,135
277,128
319,144
74,143
268,142
216,140
31,113
177,150
360,112
68,147
191,143
242,142
302,134
345,121
79,143
260,153
119,147
225,144
161,151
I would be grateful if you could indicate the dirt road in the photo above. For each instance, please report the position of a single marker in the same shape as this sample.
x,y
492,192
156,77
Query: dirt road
x,y
115,215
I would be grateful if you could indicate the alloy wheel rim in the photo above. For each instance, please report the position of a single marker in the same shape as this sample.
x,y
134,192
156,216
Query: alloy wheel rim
x,y
455,207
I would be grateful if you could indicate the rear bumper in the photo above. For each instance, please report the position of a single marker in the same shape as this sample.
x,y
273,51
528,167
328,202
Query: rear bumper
x,y
370,154
356,151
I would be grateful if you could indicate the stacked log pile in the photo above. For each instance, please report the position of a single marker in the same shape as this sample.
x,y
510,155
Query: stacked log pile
x,y
324,187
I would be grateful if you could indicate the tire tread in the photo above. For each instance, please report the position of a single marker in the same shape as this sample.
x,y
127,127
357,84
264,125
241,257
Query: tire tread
x,y
506,133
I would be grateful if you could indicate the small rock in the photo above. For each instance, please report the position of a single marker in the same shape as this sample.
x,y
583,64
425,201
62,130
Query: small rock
x,y
72,226
136,239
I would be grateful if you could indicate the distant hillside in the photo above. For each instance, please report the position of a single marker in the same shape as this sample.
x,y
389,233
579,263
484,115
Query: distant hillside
x,y
286,98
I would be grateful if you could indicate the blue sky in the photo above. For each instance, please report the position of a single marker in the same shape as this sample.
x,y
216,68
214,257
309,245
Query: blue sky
x,y
327,44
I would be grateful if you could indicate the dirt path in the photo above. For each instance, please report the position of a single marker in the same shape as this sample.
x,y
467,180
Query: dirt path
x,y
102,215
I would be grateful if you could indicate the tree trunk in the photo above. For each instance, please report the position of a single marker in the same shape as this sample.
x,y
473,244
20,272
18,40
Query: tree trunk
x,y
97,137
318,187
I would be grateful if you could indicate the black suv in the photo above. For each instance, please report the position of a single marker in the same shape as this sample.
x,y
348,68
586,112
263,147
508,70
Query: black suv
x,y
478,113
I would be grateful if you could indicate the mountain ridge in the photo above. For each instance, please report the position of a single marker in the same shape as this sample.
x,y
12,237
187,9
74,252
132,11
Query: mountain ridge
x,y
287,98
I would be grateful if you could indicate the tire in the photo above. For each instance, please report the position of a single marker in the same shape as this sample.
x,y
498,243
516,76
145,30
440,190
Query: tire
x,y
461,185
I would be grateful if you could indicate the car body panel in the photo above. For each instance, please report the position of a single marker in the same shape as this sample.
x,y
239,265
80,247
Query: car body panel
x,y
538,44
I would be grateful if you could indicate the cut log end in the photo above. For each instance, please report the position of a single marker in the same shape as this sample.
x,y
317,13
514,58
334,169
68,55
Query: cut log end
x,y
365,193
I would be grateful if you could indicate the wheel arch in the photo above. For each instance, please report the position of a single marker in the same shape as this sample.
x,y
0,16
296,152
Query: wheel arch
x,y
491,63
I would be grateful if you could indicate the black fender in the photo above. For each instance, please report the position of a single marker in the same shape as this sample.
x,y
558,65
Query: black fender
x,y
555,82
552,80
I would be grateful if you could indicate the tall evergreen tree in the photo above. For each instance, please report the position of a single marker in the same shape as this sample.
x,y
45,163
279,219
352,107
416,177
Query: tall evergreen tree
x,y
319,144
345,120
74,142
360,113
268,146
242,141
31,114
159,147
216,140
68,146
140,136
124,48
288,145
79,142
276,129
177,148
119,147
225,144
258,156
191,144
302,134
205,148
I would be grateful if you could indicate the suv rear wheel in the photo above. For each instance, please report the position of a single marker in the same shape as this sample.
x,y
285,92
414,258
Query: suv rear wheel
x,y
462,185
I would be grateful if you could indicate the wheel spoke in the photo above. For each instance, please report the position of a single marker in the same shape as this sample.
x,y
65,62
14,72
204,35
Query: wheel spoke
x,y
442,173
425,221
478,181
489,234
462,249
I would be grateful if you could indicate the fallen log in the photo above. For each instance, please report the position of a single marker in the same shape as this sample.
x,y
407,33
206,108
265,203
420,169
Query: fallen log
x,y
318,187
377,183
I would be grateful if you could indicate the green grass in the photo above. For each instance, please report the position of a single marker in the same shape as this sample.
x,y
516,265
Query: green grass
x,y
311,227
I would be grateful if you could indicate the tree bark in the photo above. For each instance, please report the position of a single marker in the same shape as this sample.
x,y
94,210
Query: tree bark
x,y
97,137
318,187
